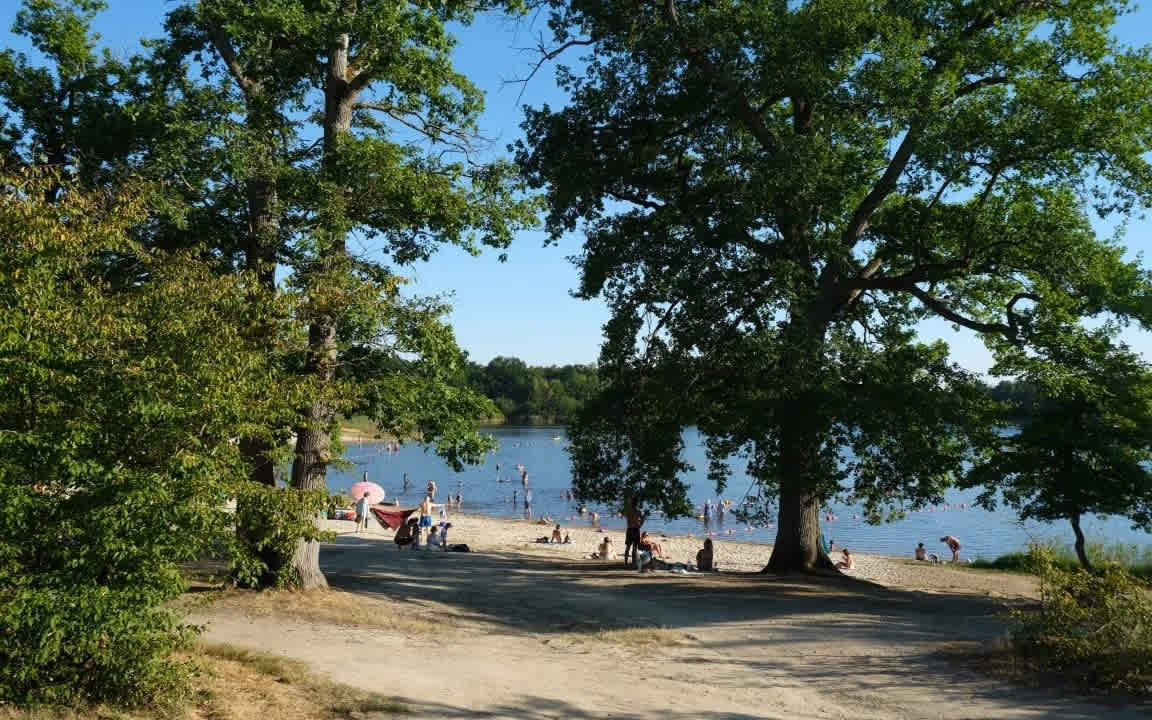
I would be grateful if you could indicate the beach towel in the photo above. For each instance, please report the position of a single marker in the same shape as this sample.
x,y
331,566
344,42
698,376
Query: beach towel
x,y
392,517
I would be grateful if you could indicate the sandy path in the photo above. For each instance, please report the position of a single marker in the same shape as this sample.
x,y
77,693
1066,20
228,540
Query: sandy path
x,y
514,638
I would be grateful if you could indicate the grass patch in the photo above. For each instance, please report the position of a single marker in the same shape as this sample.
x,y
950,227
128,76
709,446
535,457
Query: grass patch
x,y
238,684
1134,558
334,607
642,637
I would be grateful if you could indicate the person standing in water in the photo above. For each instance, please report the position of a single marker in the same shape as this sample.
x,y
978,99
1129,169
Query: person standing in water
x,y
406,483
432,489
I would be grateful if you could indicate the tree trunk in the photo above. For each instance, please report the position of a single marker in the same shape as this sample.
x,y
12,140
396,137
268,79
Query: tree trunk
x,y
798,547
1080,550
313,440
261,254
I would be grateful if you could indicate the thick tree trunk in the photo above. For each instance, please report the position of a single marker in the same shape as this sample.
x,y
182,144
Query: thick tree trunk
x,y
1081,552
798,547
313,440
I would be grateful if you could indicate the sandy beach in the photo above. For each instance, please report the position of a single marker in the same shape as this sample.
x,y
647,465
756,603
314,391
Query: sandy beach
x,y
497,534
520,630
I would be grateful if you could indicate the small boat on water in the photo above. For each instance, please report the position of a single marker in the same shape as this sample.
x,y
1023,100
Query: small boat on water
x,y
557,437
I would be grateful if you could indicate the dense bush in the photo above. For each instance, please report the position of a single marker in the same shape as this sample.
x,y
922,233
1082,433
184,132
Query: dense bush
x,y
272,522
1097,626
125,377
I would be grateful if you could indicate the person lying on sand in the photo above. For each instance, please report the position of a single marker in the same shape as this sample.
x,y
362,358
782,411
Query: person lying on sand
x,y
846,563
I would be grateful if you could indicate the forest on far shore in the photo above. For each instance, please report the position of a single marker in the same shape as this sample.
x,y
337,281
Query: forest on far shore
x,y
554,394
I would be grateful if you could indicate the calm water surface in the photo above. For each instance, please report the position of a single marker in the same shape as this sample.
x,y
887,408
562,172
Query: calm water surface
x,y
541,451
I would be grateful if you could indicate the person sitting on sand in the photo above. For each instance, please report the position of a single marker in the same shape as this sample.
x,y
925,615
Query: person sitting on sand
x,y
556,536
567,539
704,557
846,563
605,550
647,551
434,538
405,534
921,553
953,545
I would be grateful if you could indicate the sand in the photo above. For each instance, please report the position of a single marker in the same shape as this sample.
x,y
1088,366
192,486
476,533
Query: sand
x,y
519,630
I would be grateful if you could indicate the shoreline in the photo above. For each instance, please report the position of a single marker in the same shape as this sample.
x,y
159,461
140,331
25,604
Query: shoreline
x,y
483,533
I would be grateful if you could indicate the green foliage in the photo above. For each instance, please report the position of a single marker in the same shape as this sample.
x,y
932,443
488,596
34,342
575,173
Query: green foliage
x,y
775,195
270,523
118,410
1092,419
1097,626
1132,557
534,395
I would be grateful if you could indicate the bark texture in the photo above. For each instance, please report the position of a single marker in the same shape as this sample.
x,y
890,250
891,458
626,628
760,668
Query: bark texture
x,y
313,438
1081,551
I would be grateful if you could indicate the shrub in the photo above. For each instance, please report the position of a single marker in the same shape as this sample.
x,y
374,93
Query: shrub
x,y
1095,625
125,376
272,522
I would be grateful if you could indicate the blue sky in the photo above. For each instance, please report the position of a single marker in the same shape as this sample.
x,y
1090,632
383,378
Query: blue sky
x,y
523,307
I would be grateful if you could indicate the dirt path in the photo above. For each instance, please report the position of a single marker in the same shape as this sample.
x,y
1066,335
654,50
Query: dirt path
x,y
514,635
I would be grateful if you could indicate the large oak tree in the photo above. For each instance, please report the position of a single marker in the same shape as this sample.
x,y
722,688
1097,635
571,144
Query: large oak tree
x,y
774,194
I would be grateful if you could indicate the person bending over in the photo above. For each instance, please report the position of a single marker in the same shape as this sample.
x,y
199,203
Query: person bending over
x,y
953,545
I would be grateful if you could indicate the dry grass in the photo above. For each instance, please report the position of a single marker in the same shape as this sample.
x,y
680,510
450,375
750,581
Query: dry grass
x,y
334,607
642,637
238,684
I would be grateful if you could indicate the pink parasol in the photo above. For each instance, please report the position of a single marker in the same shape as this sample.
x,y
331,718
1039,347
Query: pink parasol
x,y
375,492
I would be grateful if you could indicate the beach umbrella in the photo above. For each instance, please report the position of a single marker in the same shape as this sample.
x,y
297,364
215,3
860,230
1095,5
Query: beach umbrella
x,y
375,492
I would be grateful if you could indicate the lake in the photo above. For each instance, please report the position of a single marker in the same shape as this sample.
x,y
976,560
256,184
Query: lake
x,y
982,533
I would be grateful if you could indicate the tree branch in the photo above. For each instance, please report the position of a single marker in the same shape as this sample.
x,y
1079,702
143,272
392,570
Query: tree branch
x,y
227,53
432,131
546,55
938,307
741,106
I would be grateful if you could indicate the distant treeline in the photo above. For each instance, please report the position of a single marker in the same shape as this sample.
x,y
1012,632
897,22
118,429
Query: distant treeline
x,y
528,395
1020,394
552,395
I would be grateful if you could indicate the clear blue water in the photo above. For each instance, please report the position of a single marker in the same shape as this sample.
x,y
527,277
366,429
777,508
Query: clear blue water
x,y
982,533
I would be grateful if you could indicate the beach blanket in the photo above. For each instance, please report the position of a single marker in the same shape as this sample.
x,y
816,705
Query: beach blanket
x,y
393,517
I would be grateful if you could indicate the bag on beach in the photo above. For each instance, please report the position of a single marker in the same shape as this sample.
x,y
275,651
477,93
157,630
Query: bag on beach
x,y
459,547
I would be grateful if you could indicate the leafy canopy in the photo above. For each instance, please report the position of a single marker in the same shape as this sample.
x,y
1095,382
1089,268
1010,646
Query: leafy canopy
x,y
775,194
119,409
